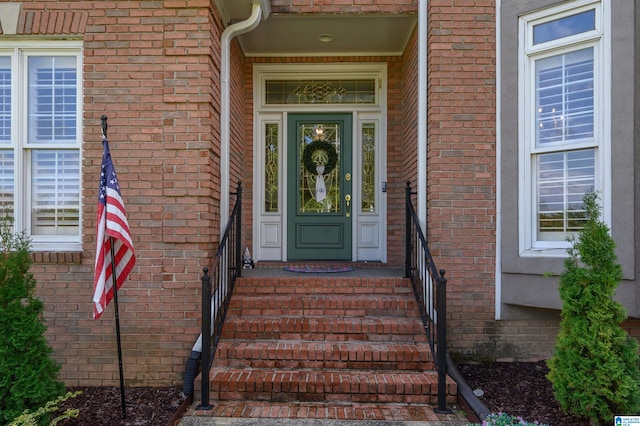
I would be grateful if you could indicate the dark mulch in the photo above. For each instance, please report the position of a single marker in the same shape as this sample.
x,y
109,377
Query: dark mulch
x,y
153,406
518,389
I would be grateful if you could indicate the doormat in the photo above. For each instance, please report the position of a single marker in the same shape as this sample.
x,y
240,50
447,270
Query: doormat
x,y
318,269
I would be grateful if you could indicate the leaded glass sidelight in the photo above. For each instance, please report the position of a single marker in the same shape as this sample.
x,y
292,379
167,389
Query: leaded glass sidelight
x,y
320,174
368,167
271,168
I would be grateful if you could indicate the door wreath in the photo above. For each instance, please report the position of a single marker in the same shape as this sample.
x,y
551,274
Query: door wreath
x,y
319,152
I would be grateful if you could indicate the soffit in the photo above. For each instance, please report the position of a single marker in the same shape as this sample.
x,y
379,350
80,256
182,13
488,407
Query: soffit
x,y
299,34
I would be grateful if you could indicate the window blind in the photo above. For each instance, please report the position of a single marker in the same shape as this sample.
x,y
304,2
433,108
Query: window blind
x,y
563,179
5,101
565,98
55,173
52,99
55,199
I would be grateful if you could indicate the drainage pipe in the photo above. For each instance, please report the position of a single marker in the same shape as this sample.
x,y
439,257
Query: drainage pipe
x,y
421,184
225,53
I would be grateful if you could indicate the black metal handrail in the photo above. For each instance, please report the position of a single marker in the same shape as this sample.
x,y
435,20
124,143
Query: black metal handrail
x,y
227,266
421,269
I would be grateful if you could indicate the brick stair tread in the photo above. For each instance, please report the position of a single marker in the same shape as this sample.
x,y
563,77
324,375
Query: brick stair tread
x,y
322,285
297,354
347,305
329,411
232,383
373,329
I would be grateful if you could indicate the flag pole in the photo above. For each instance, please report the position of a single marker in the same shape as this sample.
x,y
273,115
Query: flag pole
x,y
115,299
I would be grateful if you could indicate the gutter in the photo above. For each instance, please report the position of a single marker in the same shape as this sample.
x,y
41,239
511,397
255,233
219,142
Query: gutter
x,y
229,33
421,184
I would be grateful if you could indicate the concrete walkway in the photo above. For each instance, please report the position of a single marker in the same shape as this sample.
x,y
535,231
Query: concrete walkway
x,y
455,420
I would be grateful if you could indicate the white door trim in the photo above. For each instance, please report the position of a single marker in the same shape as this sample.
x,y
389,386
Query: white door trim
x,y
269,228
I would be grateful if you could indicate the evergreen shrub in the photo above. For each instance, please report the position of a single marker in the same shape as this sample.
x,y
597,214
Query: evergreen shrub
x,y
594,368
27,371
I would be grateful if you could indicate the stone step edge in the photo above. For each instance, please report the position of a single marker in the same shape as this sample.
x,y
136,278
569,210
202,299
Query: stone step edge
x,y
297,413
320,351
326,382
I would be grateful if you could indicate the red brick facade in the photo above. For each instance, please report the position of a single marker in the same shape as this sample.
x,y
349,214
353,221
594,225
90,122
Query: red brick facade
x,y
153,67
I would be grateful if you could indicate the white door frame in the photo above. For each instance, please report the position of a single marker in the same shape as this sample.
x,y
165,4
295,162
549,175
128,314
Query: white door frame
x,y
269,228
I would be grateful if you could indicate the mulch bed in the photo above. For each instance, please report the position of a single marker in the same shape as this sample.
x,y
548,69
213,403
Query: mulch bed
x,y
516,388
102,405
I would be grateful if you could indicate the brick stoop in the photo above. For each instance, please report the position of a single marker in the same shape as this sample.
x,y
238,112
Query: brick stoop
x,y
324,347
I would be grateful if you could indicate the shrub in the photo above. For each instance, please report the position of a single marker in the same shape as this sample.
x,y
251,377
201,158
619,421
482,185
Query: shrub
x,y
504,419
32,418
594,368
27,372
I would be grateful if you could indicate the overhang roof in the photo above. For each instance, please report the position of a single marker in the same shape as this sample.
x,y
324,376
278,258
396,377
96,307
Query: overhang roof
x,y
302,34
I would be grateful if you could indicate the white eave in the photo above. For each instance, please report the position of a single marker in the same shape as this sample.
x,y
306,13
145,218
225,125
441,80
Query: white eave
x,y
301,34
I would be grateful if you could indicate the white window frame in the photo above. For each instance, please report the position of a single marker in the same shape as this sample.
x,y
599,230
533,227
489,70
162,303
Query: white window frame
x,y
529,243
19,53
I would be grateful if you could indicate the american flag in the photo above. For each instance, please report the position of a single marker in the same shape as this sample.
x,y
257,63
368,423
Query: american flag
x,y
113,228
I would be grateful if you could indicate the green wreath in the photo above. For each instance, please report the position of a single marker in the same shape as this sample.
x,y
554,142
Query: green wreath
x,y
319,152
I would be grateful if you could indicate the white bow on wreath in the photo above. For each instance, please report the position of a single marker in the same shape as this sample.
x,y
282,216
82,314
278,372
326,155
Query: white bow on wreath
x,y
321,189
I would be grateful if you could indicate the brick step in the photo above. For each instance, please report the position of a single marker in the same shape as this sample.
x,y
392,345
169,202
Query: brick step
x,y
325,355
328,411
380,329
327,304
231,384
322,285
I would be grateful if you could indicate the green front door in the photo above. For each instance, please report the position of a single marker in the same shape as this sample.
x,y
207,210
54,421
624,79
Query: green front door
x,y
319,187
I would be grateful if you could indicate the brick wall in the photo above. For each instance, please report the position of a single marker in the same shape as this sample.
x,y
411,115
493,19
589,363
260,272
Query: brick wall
x,y
153,68
462,163
148,66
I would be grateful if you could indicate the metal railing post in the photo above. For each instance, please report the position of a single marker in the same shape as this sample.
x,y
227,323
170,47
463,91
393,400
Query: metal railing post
x,y
407,231
206,339
441,336
238,254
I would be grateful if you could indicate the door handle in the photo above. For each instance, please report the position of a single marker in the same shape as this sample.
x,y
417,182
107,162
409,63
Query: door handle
x,y
347,198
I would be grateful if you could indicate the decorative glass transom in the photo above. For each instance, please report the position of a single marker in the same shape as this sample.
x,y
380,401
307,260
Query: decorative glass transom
x,y
320,92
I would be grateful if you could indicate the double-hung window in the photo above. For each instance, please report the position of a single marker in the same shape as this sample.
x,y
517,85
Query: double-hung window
x,y
563,116
40,141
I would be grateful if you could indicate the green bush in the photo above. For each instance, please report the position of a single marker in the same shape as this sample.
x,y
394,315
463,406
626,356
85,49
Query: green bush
x,y
594,368
504,419
27,371
34,418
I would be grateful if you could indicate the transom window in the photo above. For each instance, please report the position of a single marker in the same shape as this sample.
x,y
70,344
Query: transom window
x,y
40,139
320,91
563,120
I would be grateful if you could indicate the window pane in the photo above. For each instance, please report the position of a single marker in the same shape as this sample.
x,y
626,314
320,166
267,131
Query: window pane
x,y
6,183
320,91
271,167
565,98
563,180
52,99
319,191
55,199
564,27
5,100
368,167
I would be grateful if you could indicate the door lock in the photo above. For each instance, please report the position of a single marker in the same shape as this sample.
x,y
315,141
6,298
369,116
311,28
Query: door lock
x,y
347,198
